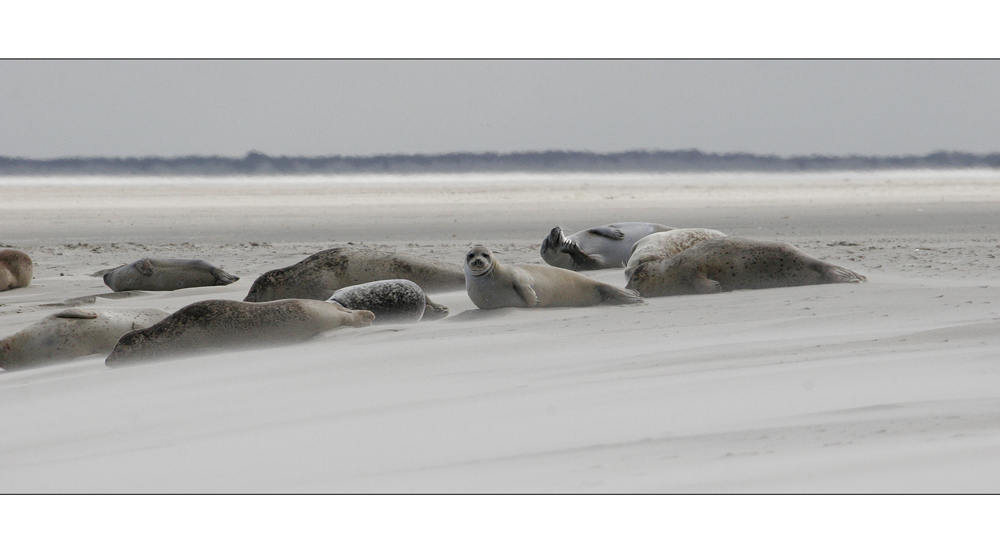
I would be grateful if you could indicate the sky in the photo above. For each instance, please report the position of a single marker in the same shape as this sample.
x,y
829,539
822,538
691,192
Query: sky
x,y
156,107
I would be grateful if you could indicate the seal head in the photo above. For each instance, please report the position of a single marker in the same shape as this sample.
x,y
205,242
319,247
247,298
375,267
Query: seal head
x,y
16,269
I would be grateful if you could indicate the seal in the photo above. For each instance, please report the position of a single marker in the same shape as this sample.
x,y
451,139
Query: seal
x,y
166,274
227,324
392,301
72,333
603,247
16,269
731,263
321,274
661,245
491,285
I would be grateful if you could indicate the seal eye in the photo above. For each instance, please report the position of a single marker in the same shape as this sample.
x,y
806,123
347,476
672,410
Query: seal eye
x,y
486,255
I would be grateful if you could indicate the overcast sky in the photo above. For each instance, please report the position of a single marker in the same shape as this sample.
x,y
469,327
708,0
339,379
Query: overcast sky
x,y
314,107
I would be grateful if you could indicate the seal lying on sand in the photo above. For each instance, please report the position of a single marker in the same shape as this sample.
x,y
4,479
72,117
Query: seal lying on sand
x,y
392,301
604,247
492,285
227,324
318,276
16,269
72,333
661,245
166,274
730,263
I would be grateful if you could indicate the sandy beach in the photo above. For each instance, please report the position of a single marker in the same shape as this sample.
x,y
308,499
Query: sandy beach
x,y
888,386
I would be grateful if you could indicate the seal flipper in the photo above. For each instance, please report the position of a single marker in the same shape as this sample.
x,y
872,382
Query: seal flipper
x,y
75,314
704,285
610,233
581,261
526,293
145,267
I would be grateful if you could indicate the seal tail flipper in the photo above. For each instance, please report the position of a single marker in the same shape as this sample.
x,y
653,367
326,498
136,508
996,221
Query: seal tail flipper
x,y
839,274
612,295
433,311
223,278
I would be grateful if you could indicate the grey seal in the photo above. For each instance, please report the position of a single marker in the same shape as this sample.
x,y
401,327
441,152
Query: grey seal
x,y
731,263
392,301
228,324
166,274
603,247
72,333
661,245
318,276
16,269
491,285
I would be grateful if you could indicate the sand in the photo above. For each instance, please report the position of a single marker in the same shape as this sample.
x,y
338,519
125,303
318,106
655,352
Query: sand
x,y
892,385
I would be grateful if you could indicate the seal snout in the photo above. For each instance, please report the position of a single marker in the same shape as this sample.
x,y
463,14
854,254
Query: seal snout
x,y
477,263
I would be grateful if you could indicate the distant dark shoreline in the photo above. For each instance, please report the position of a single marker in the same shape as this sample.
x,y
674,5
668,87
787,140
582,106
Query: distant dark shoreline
x,y
256,163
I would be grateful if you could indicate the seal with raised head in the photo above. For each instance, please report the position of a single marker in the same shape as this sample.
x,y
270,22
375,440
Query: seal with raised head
x,y
603,247
72,333
321,274
166,274
226,324
661,245
491,285
16,269
731,263
392,301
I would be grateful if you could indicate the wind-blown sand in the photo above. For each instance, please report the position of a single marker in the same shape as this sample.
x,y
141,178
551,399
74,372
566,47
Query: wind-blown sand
x,y
892,385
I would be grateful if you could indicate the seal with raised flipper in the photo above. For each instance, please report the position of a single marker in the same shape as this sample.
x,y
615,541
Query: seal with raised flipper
x,y
491,285
72,333
318,276
731,263
392,301
226,325
16,269
603,247
661,245
166,274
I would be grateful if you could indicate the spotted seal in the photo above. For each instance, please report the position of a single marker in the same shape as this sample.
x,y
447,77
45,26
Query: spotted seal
x,y
226,324
731,263
166,274
392,301
318,276
603,247
661,245
72,333
491,285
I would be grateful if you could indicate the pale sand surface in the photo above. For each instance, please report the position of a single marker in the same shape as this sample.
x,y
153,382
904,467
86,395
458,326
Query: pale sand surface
x,y
892,385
